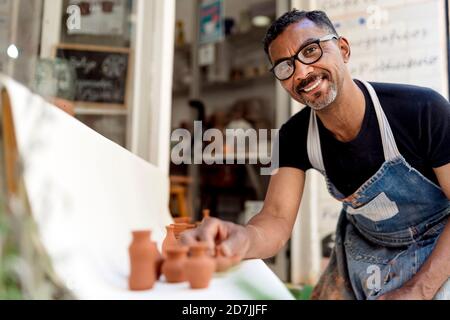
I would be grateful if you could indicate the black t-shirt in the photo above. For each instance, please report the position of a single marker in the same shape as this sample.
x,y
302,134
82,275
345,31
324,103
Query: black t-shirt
x,y
420,122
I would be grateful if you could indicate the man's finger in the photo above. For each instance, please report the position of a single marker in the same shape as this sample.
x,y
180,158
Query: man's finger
x,y
235,244
210,231
188,237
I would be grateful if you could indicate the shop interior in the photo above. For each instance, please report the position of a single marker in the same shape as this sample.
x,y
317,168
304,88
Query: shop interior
x,y
135,71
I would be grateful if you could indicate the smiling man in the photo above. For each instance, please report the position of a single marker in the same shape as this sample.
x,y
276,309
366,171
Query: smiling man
x,y
384,150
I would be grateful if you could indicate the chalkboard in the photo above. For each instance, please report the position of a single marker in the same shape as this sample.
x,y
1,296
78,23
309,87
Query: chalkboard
x,y
101,72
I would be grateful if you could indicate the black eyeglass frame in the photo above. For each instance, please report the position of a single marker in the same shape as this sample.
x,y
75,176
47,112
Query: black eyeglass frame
x,y
296,55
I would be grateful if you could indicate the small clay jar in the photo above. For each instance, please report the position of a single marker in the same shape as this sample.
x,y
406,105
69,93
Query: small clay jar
x,y
169,240
174,266
179,228
182,220
158,260
200,267
142,262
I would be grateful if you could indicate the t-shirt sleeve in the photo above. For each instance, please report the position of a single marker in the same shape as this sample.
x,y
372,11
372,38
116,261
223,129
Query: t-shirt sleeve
x,y
292,149
435,127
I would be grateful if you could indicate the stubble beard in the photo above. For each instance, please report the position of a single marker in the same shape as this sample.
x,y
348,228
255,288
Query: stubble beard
x,y
325,100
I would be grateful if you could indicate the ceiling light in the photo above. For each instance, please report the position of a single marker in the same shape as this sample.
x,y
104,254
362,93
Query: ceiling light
x,y
13,52
261,21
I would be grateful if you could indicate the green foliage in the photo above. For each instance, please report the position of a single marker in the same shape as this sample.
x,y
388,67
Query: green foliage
x,y
9,280
303,293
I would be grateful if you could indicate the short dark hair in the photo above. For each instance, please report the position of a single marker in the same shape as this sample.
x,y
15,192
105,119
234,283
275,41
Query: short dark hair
x,y
319,18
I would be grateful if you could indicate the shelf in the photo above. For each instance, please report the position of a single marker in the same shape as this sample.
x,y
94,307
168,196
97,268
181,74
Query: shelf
x,y
254,36
230,85
96,110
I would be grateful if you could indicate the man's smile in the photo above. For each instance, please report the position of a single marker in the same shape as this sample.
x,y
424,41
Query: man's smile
x,y
312,85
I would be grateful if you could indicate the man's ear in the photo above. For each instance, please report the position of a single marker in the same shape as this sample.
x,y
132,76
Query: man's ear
x,y
346,51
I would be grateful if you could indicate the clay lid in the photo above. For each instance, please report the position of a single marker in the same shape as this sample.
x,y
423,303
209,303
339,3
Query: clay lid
x,y
182,220
183,226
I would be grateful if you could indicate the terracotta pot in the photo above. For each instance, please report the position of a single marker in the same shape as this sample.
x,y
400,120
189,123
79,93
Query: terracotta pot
x,y
179,228
182,220
142,262
158,260
199,266
169,240
174,265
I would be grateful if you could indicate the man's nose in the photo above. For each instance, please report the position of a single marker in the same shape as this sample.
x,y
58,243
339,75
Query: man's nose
x,y
302,71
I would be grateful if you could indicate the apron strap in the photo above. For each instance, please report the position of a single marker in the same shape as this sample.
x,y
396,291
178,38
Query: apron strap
x,y
389,146
313,144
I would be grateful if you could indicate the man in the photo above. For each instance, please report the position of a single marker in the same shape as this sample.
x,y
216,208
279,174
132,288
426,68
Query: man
x,y
384,150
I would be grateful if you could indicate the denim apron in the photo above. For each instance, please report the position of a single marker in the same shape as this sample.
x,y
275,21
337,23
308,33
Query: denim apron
x,y
387,228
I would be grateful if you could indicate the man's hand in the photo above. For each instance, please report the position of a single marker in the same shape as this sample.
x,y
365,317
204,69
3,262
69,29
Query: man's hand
x,y
233,239
267,232
408,291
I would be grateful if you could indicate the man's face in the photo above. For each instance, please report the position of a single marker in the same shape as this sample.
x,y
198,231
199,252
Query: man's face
x,y
316,85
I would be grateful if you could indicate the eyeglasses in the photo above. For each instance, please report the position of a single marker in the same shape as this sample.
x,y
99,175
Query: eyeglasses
x,y
307,54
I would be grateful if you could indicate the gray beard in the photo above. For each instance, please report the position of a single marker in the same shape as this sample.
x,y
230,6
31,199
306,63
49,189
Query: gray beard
x,y
324,101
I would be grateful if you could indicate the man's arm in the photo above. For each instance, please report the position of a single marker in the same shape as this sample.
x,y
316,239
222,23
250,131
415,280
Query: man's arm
x,y
272,227
268,231
436,269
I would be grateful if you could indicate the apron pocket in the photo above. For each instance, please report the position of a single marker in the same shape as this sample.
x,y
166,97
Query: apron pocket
x,y
360,249
378,209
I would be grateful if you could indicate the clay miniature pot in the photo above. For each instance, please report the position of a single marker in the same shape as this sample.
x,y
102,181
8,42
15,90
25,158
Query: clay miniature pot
x,y
199,267
158,260
169,240
174,266
179,228
182,220
142,262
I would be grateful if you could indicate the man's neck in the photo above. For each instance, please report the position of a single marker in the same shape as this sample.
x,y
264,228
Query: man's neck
x,y
344,117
